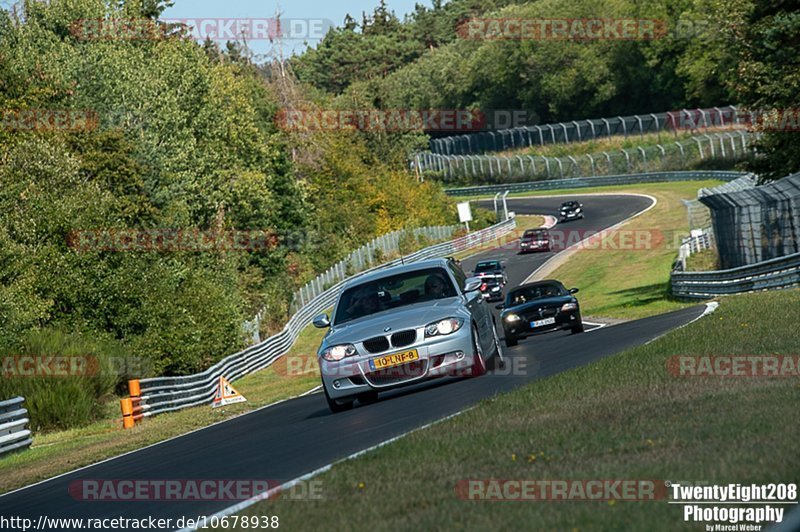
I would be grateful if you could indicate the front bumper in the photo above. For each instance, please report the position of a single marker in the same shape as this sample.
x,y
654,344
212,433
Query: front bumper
x,y
533,246
493,296
438,356
522,328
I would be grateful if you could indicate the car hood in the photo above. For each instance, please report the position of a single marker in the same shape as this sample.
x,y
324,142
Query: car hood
x,y
540,303
399,319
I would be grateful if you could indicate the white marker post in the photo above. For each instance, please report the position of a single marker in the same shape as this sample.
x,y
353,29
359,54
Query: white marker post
x,y
465,213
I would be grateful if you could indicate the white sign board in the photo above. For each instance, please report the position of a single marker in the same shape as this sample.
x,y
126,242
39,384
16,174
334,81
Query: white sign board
x,y
464,212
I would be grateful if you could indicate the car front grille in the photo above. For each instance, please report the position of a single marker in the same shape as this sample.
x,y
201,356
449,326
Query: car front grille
x,y
397,374
379,344
547,312
404,338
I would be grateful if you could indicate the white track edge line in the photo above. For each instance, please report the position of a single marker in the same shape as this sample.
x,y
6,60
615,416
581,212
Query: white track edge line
x,y
287,485
309,392
710,308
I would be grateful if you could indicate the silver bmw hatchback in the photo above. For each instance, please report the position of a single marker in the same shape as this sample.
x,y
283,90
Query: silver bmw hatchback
x,y
401,325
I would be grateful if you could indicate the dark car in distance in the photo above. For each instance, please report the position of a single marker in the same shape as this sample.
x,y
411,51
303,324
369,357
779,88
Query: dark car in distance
x,y
534,240
491,269
492,289
539,307
571,210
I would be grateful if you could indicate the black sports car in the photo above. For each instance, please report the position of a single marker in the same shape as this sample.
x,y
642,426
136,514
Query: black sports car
x,y
571,210
539,307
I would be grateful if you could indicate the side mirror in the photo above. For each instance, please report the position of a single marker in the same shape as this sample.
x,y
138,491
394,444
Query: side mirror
x,y
499,307
472,285
574,290
322,321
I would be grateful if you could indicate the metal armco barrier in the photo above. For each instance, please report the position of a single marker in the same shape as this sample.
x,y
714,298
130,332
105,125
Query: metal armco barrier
x,y
14,435
693,244
670,156
783,272
755,224
582,130
585,182
165,394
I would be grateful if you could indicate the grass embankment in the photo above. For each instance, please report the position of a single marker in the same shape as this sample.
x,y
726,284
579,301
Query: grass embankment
x,y
599,145
703,261
58,452
624,417
632,281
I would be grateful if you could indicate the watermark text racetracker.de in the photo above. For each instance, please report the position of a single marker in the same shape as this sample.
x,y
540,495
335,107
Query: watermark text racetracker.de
x,y
536,490
183,490
734,366
733,506
61,366
171,240
200,29
381,120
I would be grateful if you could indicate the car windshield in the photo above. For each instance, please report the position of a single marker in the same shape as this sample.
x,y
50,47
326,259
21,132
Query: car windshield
x,y
393,292
535,234
486,267
525,294
568,205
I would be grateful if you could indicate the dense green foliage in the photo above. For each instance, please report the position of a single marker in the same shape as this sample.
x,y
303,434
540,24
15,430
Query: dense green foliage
x,y
187,139
708,53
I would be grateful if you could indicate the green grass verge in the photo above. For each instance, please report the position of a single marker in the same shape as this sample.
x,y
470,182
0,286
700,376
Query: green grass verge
x,y
624,417
599,145
58,452
703,261
633,282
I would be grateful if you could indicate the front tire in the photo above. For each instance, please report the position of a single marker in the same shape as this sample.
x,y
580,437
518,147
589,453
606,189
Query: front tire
x,y
578,328
497,357
510,340
478,364
334,405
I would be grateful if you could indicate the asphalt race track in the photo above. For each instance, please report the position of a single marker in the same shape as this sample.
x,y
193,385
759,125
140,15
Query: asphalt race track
x,y
293,438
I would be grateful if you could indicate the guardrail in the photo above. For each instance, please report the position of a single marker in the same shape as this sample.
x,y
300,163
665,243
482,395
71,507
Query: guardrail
x,y
582,130
783,272
14,435
690,245
584,182
677,155
165,394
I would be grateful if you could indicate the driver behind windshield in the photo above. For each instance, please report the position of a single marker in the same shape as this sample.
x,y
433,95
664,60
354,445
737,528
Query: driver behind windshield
x,y
435,287
364,303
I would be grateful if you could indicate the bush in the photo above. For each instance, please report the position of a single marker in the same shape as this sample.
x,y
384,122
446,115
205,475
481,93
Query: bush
x,y
57,402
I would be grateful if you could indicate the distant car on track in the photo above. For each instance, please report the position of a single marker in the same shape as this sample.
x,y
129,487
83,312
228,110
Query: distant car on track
x,y
571,210
539,307
492,289
401,325
491,269
534,240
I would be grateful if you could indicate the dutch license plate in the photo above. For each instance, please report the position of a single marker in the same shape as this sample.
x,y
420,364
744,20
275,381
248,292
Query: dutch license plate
x,y
542,323
395,359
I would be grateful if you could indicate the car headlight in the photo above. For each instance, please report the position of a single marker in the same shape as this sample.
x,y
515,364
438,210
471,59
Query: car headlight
x,y
338,352
569,306
577,210
443,327
512,317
